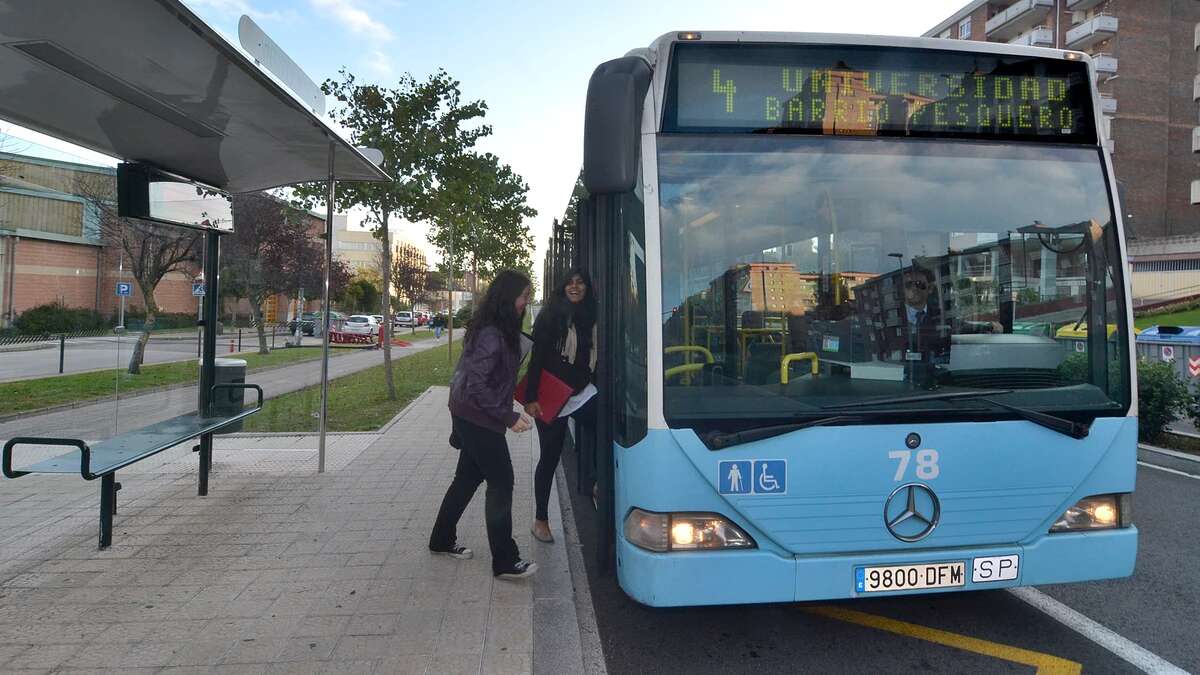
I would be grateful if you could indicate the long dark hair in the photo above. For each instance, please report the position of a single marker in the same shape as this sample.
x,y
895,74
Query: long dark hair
x,y
499,309
560,312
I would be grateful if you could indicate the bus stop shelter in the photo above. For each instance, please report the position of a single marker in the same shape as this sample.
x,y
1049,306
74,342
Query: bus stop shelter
x,y
148,82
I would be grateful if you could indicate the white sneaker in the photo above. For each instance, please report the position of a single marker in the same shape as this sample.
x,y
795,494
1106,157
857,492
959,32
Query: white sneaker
x,y
456,551
519,570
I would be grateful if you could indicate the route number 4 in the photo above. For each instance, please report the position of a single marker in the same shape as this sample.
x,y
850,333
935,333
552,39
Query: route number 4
x,y
927,463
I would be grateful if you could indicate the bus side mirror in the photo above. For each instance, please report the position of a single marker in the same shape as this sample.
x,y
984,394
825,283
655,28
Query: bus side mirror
x,y
612,125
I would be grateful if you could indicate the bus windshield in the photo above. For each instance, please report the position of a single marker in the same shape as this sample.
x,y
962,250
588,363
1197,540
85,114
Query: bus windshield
x,y
801,273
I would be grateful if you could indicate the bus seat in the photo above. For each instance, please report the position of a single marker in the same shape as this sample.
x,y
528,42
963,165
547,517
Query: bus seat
x,y
762,363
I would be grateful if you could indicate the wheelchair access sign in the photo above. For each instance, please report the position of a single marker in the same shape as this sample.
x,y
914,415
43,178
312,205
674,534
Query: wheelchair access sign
x,y
752,477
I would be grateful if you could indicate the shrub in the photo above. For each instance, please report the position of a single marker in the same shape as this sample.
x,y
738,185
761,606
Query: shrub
x,y
57,318
135,321
462,316
1162,398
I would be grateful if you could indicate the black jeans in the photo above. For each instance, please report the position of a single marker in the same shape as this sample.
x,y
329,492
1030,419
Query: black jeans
x,y
483,457
551,438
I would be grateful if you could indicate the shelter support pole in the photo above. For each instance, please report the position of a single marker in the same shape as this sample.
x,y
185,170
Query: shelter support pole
x,y
208,366
325,313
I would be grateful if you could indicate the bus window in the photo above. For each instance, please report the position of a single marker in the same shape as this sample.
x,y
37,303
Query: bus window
x,y
798,273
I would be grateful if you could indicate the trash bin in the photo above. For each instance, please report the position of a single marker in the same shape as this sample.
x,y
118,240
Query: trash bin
x,y
1073,336
229,401
1178,345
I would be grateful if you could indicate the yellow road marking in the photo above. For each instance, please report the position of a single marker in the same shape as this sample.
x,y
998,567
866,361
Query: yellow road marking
x,y
1045,663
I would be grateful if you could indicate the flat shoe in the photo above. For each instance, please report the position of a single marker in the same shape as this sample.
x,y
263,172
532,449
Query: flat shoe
x,y
548,540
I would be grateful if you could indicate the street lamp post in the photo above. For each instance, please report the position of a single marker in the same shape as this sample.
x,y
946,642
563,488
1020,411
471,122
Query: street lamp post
x,y
908,331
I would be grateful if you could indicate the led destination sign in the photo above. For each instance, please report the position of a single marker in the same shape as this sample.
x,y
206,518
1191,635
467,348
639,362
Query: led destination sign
x,y
878,91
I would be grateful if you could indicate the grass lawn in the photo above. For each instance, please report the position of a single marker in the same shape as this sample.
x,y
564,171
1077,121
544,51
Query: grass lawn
x,y
357,402
43,392
1190,317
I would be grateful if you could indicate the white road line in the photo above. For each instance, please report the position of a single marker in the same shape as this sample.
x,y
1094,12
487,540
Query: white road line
x,y
1143,660
1172,453
1177,472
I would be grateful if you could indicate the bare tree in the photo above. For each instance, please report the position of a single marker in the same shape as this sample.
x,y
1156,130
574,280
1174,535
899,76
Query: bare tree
x,y
410,272
151,251
269,252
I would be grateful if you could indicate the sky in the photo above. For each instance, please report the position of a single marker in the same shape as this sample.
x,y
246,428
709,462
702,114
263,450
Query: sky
x,y
529,60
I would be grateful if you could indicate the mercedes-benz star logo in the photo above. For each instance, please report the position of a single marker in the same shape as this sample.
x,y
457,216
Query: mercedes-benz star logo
x,y
911,512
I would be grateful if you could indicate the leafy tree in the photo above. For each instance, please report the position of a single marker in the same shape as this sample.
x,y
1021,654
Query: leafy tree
x,y
579,193
416,125
481,216
271,251
151,251
362,295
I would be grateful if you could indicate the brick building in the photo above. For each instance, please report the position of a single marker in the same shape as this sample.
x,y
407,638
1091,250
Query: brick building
x,y
51,249
1147,61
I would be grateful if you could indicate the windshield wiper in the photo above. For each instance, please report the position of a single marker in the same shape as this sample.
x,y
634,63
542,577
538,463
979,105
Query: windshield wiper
x,y
718,441
916,398
1053,422
1062,425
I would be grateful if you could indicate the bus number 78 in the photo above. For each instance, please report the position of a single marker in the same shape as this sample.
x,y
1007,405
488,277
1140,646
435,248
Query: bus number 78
x,y
927,463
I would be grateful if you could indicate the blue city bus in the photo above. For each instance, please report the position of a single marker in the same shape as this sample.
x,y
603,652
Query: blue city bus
x,y
818,259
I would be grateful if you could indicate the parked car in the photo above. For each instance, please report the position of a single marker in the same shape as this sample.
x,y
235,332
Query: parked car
x,y
404,319
361,324
310,320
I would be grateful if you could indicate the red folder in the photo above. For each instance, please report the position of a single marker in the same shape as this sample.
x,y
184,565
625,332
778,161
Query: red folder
x,y
552,395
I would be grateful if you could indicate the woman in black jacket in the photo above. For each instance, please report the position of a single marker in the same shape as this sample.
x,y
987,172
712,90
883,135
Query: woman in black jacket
x,y
481,408
564,339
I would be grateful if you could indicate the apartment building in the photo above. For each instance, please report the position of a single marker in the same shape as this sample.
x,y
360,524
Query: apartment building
x,y
1147,55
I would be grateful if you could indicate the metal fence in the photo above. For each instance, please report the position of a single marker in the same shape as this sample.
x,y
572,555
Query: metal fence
x,y
30,338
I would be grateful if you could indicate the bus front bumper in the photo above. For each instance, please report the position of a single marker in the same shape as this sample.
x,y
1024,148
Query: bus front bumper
x,y
758,576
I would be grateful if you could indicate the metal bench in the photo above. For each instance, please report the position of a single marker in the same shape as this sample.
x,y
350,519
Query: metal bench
x,y
103,459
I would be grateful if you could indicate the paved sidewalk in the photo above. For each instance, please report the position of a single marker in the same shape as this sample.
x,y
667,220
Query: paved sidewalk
x,y
279,569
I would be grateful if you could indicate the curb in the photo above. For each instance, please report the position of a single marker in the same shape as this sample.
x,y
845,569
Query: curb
x,y
591,652
31,347
1187,457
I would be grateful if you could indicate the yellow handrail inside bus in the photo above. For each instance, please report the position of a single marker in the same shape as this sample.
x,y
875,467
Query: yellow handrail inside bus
x,y
684,369
800,356
687,367
679,349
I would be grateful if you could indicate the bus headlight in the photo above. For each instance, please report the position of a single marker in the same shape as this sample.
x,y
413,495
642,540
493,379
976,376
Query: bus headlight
x,y
1101,512
663,532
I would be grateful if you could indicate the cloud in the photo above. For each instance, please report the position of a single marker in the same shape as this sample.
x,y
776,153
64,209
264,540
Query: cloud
x,y
240,7
353,17
379,64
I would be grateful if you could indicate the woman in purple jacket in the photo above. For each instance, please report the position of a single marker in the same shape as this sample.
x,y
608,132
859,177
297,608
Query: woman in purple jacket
x,y
481,408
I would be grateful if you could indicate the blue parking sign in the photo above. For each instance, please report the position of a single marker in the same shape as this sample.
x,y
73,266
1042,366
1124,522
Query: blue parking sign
x,y
124,289
770,476
733,477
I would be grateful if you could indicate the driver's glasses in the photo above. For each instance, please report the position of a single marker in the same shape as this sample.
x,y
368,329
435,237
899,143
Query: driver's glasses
x,y
919,285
